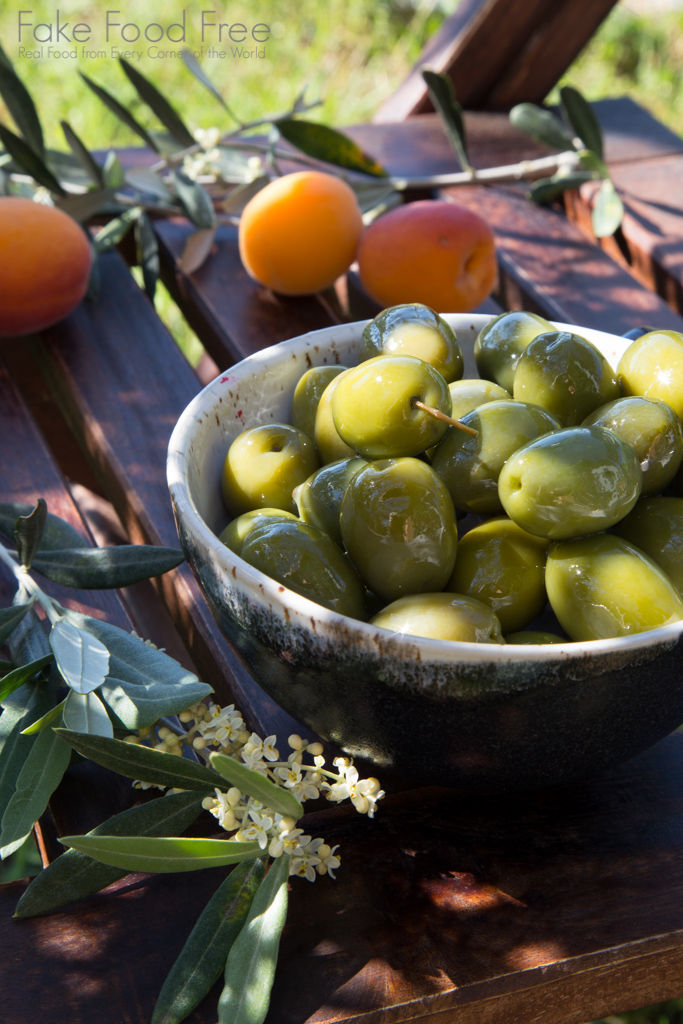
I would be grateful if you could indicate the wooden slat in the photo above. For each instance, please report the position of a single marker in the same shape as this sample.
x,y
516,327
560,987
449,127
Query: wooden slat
x,y
560,906
500,52
122,383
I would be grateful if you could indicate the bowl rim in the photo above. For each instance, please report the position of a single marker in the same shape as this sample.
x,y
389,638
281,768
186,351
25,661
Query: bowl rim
x,y
264,589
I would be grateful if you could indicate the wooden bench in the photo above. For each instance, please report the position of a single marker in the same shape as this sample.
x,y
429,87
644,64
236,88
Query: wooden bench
x,y
560,906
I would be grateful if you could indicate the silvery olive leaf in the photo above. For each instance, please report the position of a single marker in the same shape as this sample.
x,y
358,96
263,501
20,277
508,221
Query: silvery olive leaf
x,y
85,712
82,659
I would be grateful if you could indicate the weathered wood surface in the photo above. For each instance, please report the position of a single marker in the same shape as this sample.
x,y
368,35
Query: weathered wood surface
x,y
560,906
499,53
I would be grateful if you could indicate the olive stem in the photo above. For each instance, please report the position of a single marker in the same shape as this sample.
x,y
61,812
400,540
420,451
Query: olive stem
x,y
437,414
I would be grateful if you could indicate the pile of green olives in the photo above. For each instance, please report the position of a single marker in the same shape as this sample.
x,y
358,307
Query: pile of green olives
x,y
539,504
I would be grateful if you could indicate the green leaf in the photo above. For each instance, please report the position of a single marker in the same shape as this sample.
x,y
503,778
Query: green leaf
x,y
100,568
162,855
202,958
28,161
28,530
148,254
592,162
74,875
144,179
442,95
541,125
150,95
83,155
193,65
196,250
545,189
250,968
133,661
240,196
87,204
39,777
323,143
195,200
85,712
57,533
140,705
82,659
138,762
45,720
112,171
581,117
20,105
10,619
256,785
112,233
28,640
608,210
13,680
121,112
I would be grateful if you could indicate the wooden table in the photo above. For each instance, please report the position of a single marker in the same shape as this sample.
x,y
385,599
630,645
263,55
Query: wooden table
x,y
559,906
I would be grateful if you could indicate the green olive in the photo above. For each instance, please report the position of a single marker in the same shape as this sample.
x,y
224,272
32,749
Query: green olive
x,y
468,395
374,409
500,344
566,375
414,330
470,466
652,429
330,446
319,498
441,617
653,367
236,532
398,526
570,483
307,561
502,566
263,466
656,527
602,587
307,395
532,636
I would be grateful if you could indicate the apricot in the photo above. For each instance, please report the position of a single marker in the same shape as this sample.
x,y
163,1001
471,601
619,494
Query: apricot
x,y
300,233
45,262
432,251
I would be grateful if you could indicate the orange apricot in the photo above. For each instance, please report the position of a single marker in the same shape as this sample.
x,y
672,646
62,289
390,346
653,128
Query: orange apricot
x,y
45,262
433,252
300,232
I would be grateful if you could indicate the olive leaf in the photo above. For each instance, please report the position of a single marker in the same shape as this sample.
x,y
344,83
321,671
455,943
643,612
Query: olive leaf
x,y
545,189
85,712
83,155
240,196
135,761
121,112
75,875
57,533
87,204
45,720
82,659
100,568
582,118
13,680
20,105
250,967
27,532
202,958
193,66
112,171
442,95
162,855
195,200
328,144
10,619
29,161
196,249
541,125
139,705
112,233
592,162
158,103
40,775
608,210
144,179
148,254
257,785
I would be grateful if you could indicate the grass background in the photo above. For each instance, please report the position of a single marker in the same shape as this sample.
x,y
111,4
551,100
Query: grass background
x,y
351,54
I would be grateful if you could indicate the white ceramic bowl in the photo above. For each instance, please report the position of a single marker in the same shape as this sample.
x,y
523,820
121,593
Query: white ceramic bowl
x,y
477,716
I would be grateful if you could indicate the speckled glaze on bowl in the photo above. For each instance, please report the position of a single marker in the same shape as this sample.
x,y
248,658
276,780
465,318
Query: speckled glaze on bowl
x,y
475,716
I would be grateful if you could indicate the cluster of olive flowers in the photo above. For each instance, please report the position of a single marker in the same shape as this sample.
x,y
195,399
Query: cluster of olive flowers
x,y
214,728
